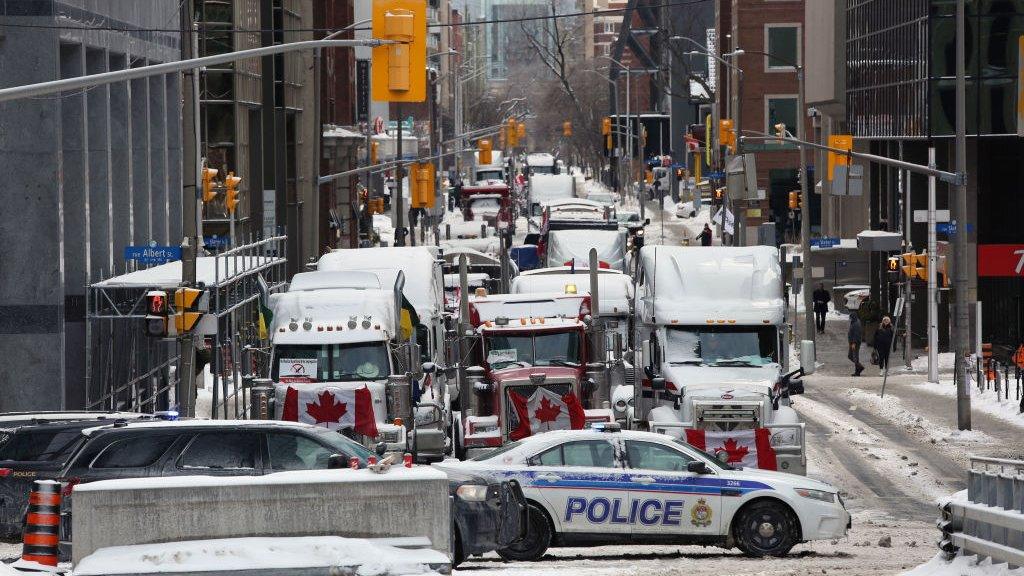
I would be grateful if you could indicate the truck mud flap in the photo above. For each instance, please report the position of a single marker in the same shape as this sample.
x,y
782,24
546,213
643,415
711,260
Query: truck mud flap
x,y
512,527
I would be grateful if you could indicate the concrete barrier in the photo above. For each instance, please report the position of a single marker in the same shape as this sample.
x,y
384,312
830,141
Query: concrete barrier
x,y
352,503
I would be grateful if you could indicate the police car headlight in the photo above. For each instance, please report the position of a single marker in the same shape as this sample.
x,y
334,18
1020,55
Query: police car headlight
x,y
821,495
472,492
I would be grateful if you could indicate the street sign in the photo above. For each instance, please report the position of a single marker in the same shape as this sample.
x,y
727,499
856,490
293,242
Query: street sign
x,y
362,90
152,254
825,242
921,216
215,241
950,228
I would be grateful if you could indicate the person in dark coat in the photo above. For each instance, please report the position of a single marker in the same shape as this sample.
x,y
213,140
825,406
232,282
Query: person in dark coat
x,y
705,236
821,299
854,336
883,342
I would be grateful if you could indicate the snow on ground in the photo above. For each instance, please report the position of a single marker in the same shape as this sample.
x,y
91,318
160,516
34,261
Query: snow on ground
x,y
987,401
962,566
945,360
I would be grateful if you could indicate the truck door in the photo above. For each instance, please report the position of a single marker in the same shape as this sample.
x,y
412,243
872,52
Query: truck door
x,y
581,483
667,499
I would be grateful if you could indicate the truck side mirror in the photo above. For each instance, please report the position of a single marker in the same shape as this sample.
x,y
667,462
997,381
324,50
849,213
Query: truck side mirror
x,y
658,384
647,221
697,467
429,367
796,387
532,238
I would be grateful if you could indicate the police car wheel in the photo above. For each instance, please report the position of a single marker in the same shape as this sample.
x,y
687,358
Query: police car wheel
x,y
536,542
766,529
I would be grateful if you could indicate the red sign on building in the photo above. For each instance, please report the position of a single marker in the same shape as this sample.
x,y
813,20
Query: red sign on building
x,y
1001,260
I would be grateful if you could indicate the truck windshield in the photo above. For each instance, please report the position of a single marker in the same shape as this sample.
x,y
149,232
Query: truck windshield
x,y
541,349
489,175
330,362
721,345
485,207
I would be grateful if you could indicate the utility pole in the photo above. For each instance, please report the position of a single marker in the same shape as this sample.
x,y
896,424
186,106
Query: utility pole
x,y
805,213
933,306
961,346
398,206
192,224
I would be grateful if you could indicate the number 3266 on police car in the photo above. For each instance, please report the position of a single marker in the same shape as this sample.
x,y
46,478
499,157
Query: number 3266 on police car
x,y
609,486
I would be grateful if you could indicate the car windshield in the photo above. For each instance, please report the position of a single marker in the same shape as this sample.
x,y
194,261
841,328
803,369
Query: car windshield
x,y
539,349
496,452
713,460
41,445
626,217
721,345
344,445
489,175
330,362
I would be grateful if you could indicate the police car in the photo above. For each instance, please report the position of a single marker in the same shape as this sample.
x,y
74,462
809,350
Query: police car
x,y
606,486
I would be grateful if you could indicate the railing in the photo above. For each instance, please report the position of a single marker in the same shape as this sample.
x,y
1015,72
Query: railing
x,y
989,523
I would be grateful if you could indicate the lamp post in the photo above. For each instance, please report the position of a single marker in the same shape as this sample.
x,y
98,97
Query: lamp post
x,y
805,190
615,108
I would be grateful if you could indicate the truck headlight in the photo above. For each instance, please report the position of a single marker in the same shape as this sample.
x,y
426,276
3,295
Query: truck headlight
x,y
472,492
821,495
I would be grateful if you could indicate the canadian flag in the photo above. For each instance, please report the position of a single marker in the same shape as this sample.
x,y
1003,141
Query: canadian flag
x,y
332,407
747,448
545,410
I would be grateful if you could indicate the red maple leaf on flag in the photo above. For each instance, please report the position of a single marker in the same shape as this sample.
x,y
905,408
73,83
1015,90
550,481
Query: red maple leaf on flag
x,y
547,412
736,453
326,408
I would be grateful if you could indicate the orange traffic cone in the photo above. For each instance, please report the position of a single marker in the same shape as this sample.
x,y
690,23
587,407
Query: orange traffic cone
x,y
42,526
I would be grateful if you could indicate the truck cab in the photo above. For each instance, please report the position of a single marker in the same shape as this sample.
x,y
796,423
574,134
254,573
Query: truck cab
x,y
488,201
530,368
714,342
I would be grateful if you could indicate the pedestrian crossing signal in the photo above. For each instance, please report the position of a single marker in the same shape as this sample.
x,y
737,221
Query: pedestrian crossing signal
x,y
156,314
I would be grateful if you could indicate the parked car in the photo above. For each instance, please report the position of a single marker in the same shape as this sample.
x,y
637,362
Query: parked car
x,y
488,514
685,210
36,446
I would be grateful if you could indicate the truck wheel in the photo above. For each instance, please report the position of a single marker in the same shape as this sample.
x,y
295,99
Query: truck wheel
x,y
536,542
766,528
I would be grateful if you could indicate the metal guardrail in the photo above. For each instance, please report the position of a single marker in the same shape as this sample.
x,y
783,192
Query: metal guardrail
x,y
990,522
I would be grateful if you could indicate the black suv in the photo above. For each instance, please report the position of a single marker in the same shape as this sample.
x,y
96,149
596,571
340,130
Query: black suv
x,y
37,446
490,514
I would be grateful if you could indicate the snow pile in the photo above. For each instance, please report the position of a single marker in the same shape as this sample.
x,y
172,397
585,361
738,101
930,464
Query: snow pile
x,y
986,401
962,566
372,558
945,359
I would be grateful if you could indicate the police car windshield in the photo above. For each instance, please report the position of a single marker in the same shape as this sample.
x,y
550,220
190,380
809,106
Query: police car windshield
x,y
715,462
721,345
496,451
526,350
330,362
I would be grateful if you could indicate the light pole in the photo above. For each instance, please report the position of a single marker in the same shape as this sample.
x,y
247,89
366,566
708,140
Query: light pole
x,y
629,126
615,109
805,191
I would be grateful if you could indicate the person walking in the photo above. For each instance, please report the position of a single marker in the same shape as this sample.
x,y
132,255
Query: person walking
x,y
854,336
705,236
883,343
821,299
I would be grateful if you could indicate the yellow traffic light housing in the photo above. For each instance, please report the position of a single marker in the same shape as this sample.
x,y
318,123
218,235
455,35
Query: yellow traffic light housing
x,y
373,152
231,183
921,266
399,70
483,147
520,130
566,129
842,142
794,200
208,191
422,185
726,135
608,141
189,306
908,267
606,126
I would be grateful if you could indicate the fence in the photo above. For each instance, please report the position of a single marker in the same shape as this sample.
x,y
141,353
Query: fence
x,y
1004,378
126,370
990,522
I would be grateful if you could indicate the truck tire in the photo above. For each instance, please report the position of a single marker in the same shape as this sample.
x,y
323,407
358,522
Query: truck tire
x,y
766,528
536,542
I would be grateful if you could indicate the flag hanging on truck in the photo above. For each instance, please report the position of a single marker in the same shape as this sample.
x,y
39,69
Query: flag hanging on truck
x,y
746,448
329,406
545,410
266,315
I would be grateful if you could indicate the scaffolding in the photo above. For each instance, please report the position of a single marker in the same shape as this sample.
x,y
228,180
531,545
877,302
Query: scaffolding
x,y
126,370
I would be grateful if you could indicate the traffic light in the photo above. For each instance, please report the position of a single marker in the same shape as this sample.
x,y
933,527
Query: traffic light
x,y
483,147
909,266
893,268
921,265
940,262
422,185
718,194
156,314
399,71
189,306
375,206
794,200
208,192
566,129
513,133
606,126
726,135
608,141
231,195
373,153
842,142
520,130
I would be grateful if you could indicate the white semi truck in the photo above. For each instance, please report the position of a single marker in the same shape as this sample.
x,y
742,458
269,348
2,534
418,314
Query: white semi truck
x,y
715,352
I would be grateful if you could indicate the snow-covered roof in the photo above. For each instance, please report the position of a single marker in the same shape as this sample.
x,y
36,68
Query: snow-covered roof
x,y
615,290
241,555
547,187
333,307
210,270
515,306
339,132
451,255
423,282
692,285
566,245
322,279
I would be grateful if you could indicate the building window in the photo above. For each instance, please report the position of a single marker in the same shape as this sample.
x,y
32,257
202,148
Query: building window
x,y
609,27
606,49
782,41
780,108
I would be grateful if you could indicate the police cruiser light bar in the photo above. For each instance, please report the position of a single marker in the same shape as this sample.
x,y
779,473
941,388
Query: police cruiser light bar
x,y
606,426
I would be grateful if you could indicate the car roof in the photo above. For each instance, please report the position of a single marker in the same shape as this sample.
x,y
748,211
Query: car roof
x,y
55,416
16,427
200,424
554,437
